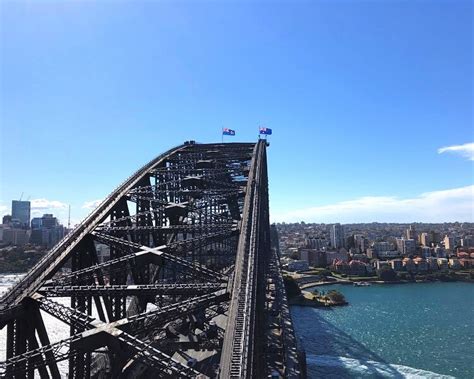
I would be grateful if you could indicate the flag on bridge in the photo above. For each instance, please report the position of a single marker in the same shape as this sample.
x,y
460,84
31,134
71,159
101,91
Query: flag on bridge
x,y
228,132
266,131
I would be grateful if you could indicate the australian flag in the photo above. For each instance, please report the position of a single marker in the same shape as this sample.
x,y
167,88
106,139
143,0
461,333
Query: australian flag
x,y
228,132
266,131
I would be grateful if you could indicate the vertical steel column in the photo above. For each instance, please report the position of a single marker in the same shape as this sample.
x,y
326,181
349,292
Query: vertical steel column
x,y
79,364
143,206
118,302
90,247
20,346
10,342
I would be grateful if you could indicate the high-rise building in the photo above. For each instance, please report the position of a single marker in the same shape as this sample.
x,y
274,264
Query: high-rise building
x,y
340,255
15,236
406,246
350,242
364,244
46,231
48,221
425,239
21,212
316,243
36,223
36,237
337,236
358,238
449,243
410,233
467,241
320,259
314,258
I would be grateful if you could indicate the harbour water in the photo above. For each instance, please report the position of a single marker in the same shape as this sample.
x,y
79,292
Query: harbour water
x,y
391,331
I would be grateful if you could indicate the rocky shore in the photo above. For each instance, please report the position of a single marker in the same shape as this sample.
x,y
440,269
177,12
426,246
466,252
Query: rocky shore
x,y
318,300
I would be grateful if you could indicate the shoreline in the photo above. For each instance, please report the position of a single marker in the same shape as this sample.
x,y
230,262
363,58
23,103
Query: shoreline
x,y
308,299
379,282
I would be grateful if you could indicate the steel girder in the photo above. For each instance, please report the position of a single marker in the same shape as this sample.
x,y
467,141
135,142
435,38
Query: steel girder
x,y
188,243
132,290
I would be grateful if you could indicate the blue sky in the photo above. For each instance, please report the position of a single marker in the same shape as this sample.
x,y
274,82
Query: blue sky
x,y
361,95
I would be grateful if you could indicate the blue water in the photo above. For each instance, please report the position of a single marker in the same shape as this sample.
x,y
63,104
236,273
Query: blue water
x,y
391,331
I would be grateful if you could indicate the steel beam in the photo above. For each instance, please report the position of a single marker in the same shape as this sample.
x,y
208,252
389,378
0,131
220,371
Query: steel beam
x,y
187,289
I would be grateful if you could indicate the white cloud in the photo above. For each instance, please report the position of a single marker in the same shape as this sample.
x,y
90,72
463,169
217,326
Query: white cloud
x,y
38,204
41,206
92,204
466,150
439,206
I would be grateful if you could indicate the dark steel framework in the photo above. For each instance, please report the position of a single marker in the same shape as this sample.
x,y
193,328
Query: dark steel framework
x,y
192,287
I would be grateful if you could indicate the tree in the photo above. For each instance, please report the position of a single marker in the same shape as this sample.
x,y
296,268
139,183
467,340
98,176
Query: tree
x,y
294,255
336,296
387,274
292,288
325,273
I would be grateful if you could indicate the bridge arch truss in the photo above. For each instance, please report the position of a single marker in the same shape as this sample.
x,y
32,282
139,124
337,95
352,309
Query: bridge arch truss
x,y
172,275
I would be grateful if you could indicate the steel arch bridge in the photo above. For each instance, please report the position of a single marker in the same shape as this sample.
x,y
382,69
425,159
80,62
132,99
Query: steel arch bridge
x,y
192,287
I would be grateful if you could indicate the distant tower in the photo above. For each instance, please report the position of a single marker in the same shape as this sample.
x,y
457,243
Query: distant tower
x,y
425,239
337,236
21,212
449,243
411,233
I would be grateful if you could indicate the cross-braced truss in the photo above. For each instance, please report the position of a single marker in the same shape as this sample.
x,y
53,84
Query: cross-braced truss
x,y
170,276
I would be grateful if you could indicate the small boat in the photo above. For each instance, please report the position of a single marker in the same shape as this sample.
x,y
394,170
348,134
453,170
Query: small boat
x,y
362,284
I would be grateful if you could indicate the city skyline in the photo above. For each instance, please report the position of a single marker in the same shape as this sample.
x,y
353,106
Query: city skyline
x,y
370,106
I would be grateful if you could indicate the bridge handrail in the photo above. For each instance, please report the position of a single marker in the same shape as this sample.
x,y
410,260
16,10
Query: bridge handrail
x,y
236,352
